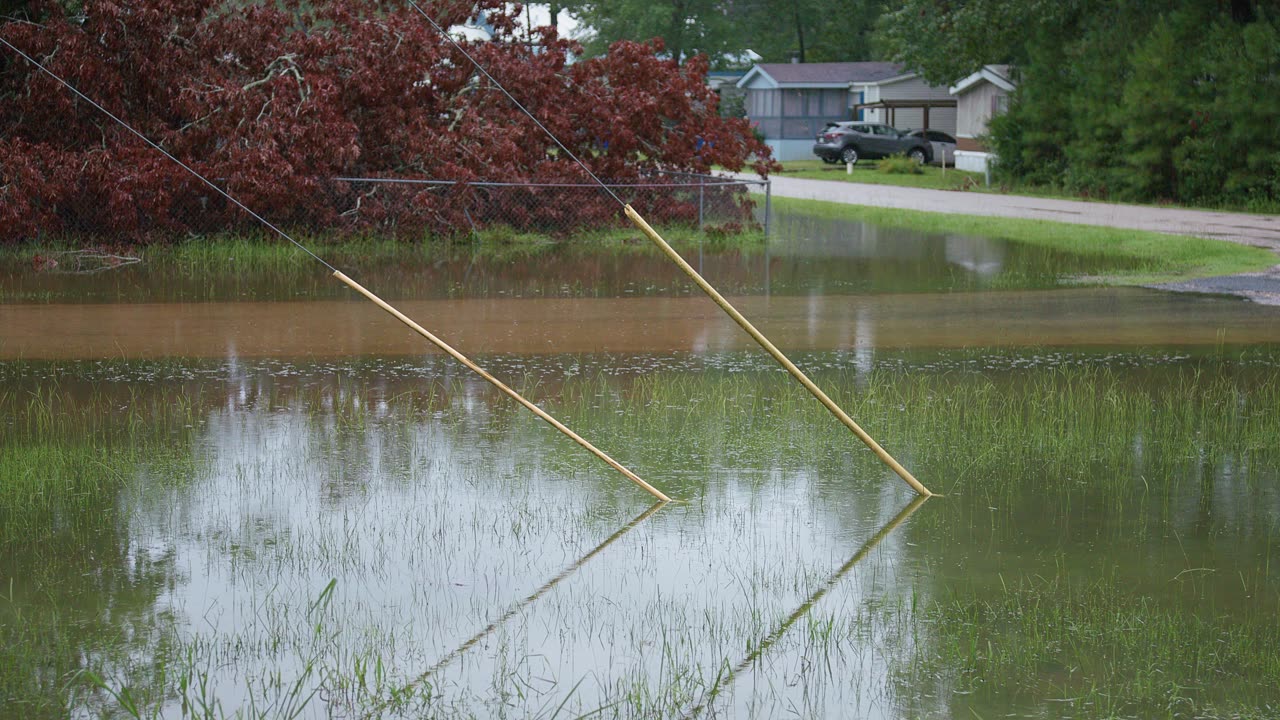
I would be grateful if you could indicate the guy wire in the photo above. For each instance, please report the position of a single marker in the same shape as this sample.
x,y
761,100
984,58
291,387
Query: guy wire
x,y
364,291
167,154
515,102
706,287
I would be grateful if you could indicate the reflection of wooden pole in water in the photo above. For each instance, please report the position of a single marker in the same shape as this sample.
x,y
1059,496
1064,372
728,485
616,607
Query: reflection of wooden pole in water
x,y
501,386
807,605
521,605
759,337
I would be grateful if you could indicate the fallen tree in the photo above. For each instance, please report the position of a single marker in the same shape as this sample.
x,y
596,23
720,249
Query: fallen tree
x,y
275,100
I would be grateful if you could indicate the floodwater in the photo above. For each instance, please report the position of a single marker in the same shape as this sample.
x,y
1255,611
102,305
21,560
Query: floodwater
x,y
629,325
807,256
294,505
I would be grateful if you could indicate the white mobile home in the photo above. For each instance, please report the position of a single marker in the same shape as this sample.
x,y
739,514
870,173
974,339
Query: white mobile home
x,y
980,97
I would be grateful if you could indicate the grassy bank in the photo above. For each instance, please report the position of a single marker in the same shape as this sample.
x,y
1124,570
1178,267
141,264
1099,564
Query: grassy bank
x,y
264,251
261,267
1152,257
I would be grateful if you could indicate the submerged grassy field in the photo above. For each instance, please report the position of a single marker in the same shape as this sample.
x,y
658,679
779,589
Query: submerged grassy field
x,y
338,538
260,267
267,252
386,536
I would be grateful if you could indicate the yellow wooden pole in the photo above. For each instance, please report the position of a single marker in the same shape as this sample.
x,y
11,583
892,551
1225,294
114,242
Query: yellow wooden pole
x,y
500,385
776,353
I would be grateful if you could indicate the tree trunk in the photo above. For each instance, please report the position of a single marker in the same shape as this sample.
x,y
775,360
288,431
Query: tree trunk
x,y
675,38
795,8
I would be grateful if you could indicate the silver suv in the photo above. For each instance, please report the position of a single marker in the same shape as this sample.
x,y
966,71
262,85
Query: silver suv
x,y
851,141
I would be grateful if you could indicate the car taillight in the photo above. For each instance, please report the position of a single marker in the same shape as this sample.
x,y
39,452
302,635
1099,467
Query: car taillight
x,y
828,137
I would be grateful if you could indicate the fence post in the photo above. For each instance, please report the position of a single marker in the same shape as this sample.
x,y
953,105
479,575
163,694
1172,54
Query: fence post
x,y
702,183
768,206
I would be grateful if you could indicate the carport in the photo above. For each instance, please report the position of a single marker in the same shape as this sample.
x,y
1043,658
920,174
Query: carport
x,y
893,105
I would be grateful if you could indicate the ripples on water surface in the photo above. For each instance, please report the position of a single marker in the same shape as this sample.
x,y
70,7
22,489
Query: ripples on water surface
x,y
227,496
223,511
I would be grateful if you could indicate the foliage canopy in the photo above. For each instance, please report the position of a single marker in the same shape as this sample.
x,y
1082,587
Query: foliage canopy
x,y
1134,100
274,100
776,30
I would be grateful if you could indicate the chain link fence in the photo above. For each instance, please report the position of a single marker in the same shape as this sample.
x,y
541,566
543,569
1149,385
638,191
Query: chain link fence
x,y
397,207
408,209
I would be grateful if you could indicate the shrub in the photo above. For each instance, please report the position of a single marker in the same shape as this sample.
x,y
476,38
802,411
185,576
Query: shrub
x,y
899,165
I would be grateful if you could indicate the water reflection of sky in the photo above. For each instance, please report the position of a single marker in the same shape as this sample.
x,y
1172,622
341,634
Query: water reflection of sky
x,y
438,519
434,527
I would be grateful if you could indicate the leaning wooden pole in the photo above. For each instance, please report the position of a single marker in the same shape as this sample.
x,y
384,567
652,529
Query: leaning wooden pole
x,y
500,385
776,353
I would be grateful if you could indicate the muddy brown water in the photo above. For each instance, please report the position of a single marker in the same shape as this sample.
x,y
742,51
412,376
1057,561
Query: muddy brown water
x,y
630,325
233,496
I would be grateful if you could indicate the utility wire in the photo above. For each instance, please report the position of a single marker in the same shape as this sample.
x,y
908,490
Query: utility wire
x,y
167,154
515,102
438,183
369,295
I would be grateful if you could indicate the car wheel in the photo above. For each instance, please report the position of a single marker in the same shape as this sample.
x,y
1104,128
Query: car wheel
x,y
916,154
849,156
830,160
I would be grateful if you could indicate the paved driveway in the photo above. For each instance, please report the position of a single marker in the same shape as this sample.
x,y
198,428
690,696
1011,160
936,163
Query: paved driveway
x,y
1257,230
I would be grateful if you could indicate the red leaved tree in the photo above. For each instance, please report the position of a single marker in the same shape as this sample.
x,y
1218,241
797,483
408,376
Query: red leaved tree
x,y
275,101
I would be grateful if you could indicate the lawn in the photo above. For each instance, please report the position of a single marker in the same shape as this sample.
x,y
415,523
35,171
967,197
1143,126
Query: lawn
x,y
867,171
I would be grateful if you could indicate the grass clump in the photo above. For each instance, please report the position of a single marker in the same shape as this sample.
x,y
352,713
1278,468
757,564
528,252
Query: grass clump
x,y
899,165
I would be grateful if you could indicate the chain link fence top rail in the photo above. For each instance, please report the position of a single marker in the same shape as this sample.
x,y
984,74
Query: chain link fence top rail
x,y
400,208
